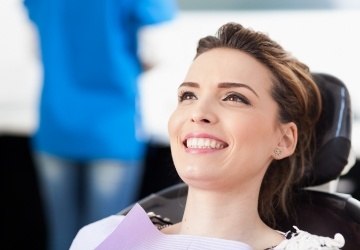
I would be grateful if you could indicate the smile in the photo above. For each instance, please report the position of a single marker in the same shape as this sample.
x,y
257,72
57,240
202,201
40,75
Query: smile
x,y
204,143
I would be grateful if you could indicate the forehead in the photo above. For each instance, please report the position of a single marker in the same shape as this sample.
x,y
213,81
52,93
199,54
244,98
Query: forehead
x,y
229,65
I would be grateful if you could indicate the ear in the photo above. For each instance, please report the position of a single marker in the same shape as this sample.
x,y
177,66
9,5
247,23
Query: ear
x,y
287,143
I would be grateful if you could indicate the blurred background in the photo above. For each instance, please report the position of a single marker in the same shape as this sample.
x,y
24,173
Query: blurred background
x,y
324,34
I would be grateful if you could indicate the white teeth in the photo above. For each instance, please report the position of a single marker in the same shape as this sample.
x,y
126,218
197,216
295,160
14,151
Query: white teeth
x,y
204,143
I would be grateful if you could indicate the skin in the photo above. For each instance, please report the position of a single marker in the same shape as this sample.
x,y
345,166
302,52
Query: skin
x,y
222,136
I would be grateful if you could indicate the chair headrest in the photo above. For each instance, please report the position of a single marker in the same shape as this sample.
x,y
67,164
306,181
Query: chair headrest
x,y
333,132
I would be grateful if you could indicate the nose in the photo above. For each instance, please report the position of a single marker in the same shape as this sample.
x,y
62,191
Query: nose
x,y
203,113
199,119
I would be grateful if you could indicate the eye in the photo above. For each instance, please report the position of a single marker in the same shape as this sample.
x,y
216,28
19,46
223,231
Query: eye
x,y
186,95
236,97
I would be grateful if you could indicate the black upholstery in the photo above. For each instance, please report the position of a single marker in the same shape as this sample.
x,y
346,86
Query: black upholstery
x,y
333,131
317,212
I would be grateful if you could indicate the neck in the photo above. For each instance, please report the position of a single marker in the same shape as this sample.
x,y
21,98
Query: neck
x,y
232,215
203,206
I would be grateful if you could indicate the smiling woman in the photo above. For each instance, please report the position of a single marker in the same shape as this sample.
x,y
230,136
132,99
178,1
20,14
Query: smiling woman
x,y
241,137
228,104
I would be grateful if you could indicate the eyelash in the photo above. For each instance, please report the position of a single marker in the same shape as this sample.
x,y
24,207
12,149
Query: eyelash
x,y
188,95
184,95
239,97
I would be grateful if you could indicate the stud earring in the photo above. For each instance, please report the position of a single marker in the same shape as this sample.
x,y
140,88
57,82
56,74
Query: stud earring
x,y
277,152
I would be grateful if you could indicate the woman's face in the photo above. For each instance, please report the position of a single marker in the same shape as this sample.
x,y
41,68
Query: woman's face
x,y
225,128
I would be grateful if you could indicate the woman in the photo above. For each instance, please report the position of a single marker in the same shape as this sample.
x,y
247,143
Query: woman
x,y
241,137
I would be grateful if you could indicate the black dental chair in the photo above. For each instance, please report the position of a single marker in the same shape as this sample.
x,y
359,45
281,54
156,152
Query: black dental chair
x,y
319,212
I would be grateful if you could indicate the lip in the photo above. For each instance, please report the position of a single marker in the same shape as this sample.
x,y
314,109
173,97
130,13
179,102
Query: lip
x,y
202,135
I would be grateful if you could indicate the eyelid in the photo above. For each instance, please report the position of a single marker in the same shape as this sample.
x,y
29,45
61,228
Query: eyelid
x,y
243,98
184,93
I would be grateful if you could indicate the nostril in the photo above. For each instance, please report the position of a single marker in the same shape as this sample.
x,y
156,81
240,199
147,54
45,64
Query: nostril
x,y
202,117
205,120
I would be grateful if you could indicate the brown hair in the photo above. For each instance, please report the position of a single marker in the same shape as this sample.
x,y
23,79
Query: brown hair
x,y
298,100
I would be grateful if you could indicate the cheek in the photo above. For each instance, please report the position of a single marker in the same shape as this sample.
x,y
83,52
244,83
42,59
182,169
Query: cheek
x,y
255,135
174,124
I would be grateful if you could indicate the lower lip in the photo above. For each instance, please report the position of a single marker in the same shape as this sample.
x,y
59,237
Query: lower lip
x,y
201,150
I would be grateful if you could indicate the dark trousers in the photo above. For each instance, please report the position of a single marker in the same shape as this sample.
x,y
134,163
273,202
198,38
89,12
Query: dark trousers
x,y
22,219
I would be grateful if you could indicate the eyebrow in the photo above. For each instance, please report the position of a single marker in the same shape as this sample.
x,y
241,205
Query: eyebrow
x,y
222,85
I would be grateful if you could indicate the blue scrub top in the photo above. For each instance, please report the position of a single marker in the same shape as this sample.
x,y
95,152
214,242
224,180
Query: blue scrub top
x,y
88,107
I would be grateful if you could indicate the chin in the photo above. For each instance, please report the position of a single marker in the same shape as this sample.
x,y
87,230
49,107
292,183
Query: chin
x,y
198,178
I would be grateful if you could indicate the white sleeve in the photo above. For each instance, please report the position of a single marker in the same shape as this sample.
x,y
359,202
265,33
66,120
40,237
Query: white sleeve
x,y
302,240
90,236
156,43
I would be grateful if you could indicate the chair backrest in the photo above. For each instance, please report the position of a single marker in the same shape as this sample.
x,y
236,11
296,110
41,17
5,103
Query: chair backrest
x,y
333,132
317,212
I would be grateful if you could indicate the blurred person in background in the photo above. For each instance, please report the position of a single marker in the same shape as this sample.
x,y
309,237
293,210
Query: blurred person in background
x,y
20,73
88,145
